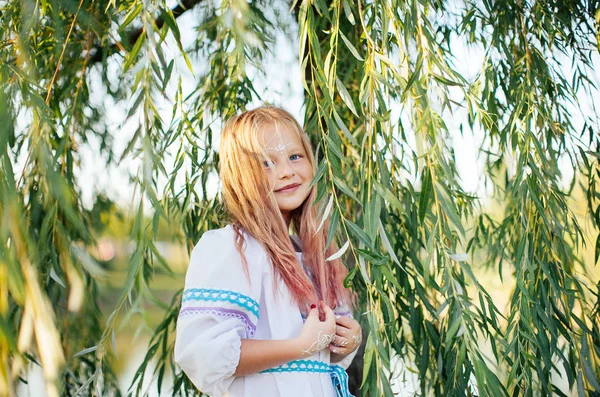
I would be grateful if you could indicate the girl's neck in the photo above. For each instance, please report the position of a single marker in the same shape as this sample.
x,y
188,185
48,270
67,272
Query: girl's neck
x,y
287,218
296,243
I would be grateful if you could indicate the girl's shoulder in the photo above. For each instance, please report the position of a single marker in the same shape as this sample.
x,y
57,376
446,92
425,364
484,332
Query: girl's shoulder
x,y
217,261
222,242
224,234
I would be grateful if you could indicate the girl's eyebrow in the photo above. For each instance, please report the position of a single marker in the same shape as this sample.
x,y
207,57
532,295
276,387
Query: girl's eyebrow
x,y
294,148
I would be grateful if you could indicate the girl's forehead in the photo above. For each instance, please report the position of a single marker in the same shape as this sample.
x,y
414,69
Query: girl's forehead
x,y
279,137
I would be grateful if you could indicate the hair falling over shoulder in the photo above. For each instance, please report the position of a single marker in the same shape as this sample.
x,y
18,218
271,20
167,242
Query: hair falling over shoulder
x,y
253,208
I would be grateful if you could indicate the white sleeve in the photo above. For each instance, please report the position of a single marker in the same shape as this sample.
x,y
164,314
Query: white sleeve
x,y
219,308
344,310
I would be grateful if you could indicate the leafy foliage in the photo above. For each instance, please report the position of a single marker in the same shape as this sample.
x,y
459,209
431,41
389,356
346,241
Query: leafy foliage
x,y
382,93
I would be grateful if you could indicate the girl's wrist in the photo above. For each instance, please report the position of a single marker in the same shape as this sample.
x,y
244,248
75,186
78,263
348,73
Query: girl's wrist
x,y
302,346
308,348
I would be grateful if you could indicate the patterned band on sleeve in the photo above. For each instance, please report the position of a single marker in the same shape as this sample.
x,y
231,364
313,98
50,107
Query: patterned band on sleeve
x,y
221,295
223,303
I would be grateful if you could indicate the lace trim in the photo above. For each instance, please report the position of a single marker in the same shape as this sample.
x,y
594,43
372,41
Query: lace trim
x,y
220,311
300,366
338,375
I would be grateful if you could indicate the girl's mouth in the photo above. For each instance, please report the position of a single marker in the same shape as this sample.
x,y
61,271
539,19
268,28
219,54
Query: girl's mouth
x,y
287,189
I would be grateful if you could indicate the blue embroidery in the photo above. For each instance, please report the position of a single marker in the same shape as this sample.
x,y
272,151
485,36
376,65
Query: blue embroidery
x,y
221,295
300,366
338,375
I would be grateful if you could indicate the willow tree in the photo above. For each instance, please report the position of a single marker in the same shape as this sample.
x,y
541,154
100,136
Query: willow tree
x,y
381,83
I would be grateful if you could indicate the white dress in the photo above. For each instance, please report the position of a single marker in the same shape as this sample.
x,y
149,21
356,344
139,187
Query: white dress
x,y
220,308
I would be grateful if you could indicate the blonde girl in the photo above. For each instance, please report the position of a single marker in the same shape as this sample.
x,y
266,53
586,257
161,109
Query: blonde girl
x,y
263,313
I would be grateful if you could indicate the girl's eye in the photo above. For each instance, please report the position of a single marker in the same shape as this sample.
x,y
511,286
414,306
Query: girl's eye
x,y
268,163
295,157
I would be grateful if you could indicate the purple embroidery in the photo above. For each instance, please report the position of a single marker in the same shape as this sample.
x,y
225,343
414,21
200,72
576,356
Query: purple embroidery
x,y
220,311
343,313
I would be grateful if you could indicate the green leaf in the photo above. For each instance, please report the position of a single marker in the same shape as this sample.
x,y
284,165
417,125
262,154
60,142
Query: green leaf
x,y
413,77
351,47
138,100
443,80
587,362
345,188
580,387
319,174
391,278
348,12
594,154
344,129
388,196
345,96
368,358
131,143
132,56
55,277
326,212
167,17
449,209
335,149
359,233
113,340
453,330
85,351
386,243
322,8
333,225
87,383
340,252
424,197
130,17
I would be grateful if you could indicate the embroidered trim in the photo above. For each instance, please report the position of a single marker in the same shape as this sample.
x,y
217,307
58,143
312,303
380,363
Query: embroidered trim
x,y
343,313
300,366
338,375
221,295
220,311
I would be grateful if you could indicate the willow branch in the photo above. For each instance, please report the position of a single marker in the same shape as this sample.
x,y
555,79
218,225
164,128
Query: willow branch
x,y
99,52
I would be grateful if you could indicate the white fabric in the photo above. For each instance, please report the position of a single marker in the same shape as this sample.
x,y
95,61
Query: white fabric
x,y
218,310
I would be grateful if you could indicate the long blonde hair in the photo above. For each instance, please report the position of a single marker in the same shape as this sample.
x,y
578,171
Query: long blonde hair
x,y
253,208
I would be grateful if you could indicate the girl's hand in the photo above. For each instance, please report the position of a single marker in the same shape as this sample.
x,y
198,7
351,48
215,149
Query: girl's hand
x,y
348,336
316,335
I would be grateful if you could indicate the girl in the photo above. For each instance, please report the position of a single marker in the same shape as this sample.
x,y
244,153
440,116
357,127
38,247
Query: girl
x,y
263,313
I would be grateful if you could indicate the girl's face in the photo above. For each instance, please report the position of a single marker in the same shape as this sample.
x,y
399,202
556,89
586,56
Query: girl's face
x,y
287,167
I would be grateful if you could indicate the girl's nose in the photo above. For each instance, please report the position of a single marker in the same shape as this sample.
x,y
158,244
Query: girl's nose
x,y
286,170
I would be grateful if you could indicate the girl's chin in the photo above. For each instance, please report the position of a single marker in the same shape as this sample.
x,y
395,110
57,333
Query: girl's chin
x,y
289,206
288,209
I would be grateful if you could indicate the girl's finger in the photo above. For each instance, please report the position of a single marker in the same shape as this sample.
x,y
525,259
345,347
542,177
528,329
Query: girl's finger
x,y
347,322
341,341
338,350
329,315
343,331
313,311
